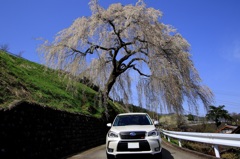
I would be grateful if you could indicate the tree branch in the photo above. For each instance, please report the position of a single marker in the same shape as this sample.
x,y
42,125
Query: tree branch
x,y
123,67
101,47
137,59
77,51
142,74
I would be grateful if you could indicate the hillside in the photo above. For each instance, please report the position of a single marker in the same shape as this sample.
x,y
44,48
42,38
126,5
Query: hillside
x,y
21,79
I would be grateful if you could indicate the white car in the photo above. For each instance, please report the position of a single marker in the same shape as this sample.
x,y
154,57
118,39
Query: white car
x,y
133,133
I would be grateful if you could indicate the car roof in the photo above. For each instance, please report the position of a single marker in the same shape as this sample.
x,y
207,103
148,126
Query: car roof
x,y
132,114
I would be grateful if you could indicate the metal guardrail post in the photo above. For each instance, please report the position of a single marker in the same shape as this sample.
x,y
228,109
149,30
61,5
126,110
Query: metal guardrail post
x,y
179,143
216,150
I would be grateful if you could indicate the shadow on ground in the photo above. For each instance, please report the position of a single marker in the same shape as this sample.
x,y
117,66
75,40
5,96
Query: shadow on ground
x,y
165,155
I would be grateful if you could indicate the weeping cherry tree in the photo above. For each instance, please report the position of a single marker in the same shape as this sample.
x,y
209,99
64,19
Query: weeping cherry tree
x,y
127,50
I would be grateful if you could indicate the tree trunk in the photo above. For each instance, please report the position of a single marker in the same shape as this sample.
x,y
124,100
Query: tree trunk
x,y
110,83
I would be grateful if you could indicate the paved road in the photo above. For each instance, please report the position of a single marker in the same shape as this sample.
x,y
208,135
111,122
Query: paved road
x,y
169,152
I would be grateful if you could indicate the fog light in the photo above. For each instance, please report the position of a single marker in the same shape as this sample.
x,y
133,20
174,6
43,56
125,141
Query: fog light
x,y
110,150
157,149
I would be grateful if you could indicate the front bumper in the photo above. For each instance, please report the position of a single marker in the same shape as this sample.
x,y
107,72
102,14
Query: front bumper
x,y
149,145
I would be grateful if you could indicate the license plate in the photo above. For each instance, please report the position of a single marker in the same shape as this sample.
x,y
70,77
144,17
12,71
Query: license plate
x,y
133,145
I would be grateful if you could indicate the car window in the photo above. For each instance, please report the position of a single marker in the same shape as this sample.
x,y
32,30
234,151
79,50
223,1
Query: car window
x,y
132,120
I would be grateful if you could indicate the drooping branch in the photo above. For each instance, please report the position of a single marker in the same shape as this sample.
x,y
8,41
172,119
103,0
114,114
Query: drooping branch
x,y
140,73
94,46
77,51
136,59
90,50
123,67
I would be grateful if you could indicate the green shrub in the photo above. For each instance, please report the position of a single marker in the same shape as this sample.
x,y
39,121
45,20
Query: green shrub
x,y
199,147
230,155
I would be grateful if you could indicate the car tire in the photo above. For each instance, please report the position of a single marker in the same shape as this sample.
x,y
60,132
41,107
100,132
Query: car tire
x,y
158,156
110,156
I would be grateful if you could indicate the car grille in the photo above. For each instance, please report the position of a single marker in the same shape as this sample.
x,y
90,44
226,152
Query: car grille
x,y
133,135
143,146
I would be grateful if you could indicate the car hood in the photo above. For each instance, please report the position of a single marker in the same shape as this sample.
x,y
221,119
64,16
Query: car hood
x,y
146,128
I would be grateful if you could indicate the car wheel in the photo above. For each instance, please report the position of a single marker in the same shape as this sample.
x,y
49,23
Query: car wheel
x,y
110,156
158,156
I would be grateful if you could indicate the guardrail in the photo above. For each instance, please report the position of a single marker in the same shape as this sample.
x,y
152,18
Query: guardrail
x,y
215,139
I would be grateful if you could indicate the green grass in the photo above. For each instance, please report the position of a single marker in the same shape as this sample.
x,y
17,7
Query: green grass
x,y
21,79
24,80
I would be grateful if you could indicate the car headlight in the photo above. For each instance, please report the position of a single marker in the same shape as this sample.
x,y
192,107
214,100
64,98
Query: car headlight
x,y
153,133
112,134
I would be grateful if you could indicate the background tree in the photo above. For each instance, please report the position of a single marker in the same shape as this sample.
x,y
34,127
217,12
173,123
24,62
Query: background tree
x,y
125,46
190,117
4,47
218,113
236,118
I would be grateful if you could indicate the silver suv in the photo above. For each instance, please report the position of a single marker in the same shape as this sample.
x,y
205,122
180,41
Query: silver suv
x,y
133,133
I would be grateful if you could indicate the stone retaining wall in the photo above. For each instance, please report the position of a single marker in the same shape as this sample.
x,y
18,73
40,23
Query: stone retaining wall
x,y
33,131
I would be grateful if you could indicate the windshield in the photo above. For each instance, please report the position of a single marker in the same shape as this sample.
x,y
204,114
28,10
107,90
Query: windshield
x,y
132,120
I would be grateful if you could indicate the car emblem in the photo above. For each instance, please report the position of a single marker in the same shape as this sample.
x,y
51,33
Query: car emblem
x,y
132,134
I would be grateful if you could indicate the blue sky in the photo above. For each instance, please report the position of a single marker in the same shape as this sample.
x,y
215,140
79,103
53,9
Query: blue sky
x,y
212,27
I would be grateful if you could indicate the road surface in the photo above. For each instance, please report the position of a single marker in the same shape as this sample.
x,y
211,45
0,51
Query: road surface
x,y
168,152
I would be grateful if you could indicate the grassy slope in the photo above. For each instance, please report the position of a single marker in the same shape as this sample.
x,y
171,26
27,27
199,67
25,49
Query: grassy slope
x,y
21,79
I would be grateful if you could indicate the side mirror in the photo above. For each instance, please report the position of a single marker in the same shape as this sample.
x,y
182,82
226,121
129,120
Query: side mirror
x,y
109,124
156,122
